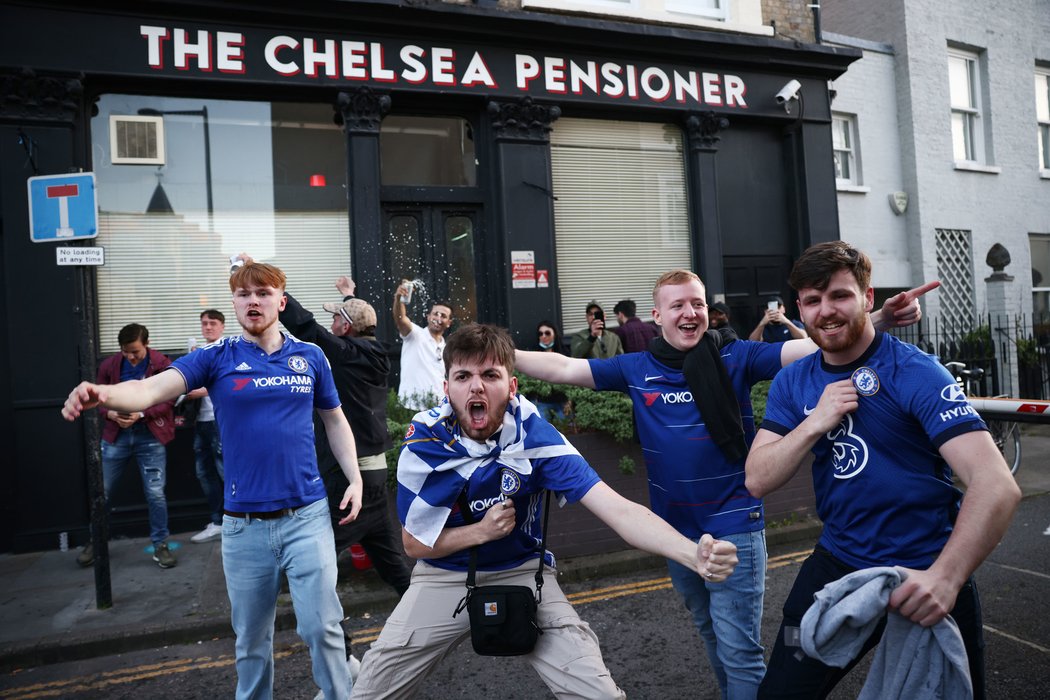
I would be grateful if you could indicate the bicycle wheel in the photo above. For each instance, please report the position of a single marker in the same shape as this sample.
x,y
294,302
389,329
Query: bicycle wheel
x,y
1007,437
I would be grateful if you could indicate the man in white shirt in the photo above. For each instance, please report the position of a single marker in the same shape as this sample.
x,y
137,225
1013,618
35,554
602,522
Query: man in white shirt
x,y
207,446
422,365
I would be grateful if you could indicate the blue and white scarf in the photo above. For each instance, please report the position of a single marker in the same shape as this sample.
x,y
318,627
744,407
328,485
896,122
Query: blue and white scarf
x,y
436,461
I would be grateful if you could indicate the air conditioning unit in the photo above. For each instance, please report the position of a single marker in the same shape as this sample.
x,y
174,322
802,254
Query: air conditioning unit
x,y
136,140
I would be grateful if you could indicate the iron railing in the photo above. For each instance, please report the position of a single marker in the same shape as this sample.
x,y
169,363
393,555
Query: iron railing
x,y
1013,350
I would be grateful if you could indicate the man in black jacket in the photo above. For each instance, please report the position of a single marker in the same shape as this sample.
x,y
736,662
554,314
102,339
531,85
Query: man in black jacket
x,y
360,367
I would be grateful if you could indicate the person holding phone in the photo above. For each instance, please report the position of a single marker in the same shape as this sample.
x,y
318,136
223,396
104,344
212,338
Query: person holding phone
x,y
593,342
775,326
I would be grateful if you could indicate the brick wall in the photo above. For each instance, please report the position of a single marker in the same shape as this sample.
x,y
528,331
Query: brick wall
x,y
792,19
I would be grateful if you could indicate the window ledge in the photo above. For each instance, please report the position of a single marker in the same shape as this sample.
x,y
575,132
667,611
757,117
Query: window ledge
x,y
645,15
1044,174
977,167
853,189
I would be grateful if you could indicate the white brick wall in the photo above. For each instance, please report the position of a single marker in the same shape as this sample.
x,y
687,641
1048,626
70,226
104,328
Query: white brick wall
x,y
1011,36
866,220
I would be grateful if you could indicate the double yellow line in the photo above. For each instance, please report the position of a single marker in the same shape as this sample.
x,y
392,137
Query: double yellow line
x,y
101,681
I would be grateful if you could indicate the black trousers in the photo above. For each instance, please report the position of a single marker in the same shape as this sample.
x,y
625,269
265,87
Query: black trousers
x,y
374,529
792,674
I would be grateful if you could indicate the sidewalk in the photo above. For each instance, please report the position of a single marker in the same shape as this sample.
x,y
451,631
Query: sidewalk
x,y
48,613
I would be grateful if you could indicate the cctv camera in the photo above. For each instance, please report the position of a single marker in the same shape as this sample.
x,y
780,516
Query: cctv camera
x,y
789,92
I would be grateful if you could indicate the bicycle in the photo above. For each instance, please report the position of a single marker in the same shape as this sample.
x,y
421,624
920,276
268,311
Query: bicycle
x,y
1006,434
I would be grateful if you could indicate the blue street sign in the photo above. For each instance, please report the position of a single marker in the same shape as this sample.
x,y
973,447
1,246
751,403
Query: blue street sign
x,y
62,207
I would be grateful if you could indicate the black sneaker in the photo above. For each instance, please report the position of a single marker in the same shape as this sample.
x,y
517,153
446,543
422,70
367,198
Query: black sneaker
x,y
163,556
87,556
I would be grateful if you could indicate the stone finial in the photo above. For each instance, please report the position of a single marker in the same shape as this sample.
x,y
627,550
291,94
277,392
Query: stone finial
x,y
998,258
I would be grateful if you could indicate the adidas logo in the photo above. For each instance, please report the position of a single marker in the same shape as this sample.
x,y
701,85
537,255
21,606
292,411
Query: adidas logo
x,y
243,367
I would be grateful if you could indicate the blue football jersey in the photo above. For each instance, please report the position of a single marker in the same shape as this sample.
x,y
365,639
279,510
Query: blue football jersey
x,y
883,491
264,407
569,476
691,485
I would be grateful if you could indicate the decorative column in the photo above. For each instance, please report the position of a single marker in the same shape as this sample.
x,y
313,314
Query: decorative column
x,y
1004,308
524,209
361,113
702,134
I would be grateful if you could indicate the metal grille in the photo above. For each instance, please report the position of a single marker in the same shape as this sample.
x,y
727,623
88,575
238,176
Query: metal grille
x,y
955,270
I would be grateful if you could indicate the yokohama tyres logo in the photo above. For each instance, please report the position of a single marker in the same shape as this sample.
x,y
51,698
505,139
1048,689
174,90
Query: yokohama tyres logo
x,y
675,397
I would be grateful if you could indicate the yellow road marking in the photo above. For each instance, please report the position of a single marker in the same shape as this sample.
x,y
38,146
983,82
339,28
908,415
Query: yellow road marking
x,y
103,680
363,636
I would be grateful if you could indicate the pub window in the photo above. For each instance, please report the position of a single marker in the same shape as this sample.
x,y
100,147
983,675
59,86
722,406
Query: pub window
x,y
427,151
266,178
620,214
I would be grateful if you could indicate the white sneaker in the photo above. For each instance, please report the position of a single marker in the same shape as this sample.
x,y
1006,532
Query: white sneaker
x,y
209,533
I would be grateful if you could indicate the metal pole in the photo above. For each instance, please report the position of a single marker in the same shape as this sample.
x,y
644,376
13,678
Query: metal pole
x,y
207,165
88,353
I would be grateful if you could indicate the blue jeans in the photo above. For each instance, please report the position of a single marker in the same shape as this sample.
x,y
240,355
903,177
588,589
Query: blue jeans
x,y
254,553
138,442
207,447
729,615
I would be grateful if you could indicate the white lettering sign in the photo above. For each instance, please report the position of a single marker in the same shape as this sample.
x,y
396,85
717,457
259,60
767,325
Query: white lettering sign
x,y
80,256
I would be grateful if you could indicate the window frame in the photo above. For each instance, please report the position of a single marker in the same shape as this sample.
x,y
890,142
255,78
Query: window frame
x,y
1044,288
851,149
972,113
1042,111
727,15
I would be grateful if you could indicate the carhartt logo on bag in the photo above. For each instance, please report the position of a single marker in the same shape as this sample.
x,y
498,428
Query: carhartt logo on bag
x,y
491,608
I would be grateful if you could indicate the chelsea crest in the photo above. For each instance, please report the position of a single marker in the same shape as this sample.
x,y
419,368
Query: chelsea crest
x,y
866,381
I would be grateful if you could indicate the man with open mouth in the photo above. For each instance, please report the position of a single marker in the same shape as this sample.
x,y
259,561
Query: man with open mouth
x,y
487,449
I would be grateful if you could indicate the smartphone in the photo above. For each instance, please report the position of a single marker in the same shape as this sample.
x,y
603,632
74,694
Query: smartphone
x,y
599,315
772,305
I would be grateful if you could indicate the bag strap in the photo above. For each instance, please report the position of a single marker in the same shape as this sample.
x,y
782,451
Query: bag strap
x,y
464,508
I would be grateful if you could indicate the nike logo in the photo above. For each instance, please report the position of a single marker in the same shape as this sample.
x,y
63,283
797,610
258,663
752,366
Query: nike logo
x,y
807,410
657,376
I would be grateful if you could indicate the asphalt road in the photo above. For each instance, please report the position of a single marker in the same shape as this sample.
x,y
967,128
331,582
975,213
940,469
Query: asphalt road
x,y
648,641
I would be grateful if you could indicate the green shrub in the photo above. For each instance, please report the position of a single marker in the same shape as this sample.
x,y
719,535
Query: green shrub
x,y
759,394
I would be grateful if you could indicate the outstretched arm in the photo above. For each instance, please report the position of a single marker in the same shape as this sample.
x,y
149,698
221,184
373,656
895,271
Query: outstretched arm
x,y
641,528
899,311
554,367
126,397
902,309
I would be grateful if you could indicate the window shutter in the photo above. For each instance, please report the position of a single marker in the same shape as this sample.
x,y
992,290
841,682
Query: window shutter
x,y
621,214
